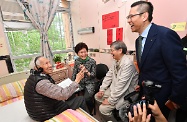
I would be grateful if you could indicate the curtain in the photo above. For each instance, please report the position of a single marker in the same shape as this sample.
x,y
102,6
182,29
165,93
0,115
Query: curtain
x,y
41,13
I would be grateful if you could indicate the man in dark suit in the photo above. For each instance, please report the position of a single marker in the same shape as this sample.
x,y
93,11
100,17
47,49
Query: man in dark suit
x,y
160,56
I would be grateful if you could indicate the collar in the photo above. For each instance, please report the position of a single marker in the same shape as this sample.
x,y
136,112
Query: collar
x,y
83,60
119,61
145,32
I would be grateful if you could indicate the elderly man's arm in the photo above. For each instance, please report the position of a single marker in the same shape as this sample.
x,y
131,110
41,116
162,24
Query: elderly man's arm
x,y
46,88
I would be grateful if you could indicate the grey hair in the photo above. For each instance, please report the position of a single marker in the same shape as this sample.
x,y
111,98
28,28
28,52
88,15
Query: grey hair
x,y
32,64
119,45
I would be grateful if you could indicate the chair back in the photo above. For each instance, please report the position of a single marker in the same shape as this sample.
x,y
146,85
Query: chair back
x,y
101,70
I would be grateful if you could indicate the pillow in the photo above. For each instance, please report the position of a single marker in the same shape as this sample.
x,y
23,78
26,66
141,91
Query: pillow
x,y
11,101
11,90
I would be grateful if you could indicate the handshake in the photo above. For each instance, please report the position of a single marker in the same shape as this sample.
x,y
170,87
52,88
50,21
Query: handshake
x,y
82,67
81,74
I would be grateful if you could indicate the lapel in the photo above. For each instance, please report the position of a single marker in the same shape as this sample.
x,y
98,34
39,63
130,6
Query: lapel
x,y
151,38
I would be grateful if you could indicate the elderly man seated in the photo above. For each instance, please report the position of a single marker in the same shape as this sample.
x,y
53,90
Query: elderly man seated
x,y
119,81
43,98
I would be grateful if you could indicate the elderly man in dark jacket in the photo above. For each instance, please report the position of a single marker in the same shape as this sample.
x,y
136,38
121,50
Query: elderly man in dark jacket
x,y
43,98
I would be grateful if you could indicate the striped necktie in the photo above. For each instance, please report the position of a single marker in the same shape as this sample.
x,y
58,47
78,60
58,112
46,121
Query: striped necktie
x,y
117,66
140,38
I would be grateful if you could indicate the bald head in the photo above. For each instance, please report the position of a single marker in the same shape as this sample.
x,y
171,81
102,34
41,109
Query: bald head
x,y
41,62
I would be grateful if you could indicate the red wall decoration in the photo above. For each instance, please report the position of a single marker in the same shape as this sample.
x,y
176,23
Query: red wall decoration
x,y
119,34
110,20
109,36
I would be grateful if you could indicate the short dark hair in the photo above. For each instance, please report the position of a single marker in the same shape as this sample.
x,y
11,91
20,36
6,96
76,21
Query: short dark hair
x,y
119,45
144,7
80,46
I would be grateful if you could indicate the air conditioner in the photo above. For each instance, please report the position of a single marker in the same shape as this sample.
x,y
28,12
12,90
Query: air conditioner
x,y
105,1
86,30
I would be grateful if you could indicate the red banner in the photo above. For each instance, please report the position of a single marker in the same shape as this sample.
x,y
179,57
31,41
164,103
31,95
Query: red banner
x,y
119,34
109,36
110,20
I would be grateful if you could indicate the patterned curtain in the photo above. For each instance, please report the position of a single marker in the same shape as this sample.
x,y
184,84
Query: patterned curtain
x,y
41,13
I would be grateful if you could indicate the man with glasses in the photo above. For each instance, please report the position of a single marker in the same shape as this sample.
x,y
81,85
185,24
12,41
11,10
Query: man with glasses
x,y
120,80
160,56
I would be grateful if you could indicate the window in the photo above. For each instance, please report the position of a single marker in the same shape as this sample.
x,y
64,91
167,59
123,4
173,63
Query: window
x,y
25,43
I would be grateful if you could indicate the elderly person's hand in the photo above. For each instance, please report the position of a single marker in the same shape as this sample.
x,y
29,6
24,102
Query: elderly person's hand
x,y
105,102
100,94
80,75
85,70
139,115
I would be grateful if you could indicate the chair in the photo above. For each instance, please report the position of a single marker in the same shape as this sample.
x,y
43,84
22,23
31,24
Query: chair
x,y
101,70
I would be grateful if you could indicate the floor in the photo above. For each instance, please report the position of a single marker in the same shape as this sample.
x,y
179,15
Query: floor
x,y
97,115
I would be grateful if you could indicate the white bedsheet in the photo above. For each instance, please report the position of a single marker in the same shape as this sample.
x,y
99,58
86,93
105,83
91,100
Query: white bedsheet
x,y
14,112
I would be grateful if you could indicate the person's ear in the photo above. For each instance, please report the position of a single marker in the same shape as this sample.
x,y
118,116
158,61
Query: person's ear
x,y
145,16
120,50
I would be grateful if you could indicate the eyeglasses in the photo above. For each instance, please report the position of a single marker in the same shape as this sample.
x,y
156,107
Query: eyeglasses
x,y
112,50
132,15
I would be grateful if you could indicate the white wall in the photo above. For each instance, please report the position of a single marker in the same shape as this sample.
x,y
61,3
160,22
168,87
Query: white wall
x,y
167,12
88,13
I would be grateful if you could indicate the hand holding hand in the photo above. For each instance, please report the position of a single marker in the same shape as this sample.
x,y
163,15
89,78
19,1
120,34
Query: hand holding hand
x,y
82,67
100,94
79,76
105,102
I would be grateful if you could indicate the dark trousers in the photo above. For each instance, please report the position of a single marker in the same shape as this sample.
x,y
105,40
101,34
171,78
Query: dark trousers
x,y
165,111
89,101
76,102
181,115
